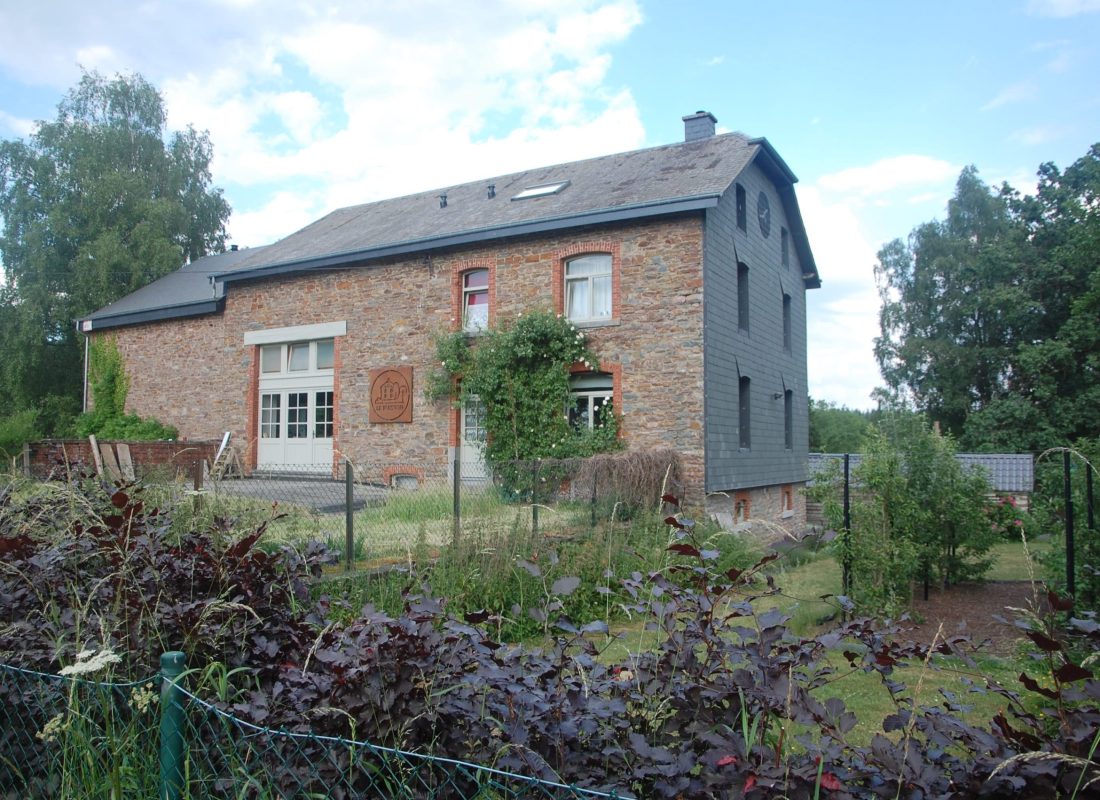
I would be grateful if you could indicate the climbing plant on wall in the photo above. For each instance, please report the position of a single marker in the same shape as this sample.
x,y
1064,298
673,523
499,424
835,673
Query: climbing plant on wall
x,y
109,385
521,371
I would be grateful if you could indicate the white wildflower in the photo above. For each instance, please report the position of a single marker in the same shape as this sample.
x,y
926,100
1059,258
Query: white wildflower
x,y
88,661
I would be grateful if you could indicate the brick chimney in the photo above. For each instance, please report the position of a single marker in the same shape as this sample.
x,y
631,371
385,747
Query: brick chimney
x,y
699,125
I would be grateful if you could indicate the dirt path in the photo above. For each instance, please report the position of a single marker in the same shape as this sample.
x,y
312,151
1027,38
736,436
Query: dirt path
x,y
970,610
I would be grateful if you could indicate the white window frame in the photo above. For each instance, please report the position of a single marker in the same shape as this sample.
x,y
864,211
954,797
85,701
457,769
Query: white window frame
x,y
591,388
469,324
590,314
285,351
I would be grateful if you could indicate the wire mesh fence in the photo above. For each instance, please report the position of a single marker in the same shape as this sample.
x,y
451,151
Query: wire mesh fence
x,y
376,512
67,737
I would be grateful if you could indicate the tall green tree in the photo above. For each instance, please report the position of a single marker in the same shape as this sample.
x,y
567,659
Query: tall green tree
x,y
94,204
837,429
989,318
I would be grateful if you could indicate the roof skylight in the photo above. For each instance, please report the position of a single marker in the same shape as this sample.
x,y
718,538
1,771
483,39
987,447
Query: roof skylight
x,y
541,190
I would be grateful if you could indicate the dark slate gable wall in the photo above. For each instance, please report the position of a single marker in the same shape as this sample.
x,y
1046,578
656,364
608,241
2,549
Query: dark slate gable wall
x,y
759,354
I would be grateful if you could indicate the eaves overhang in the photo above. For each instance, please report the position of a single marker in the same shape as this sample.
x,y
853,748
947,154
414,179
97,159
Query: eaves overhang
x,y
510,230
91,324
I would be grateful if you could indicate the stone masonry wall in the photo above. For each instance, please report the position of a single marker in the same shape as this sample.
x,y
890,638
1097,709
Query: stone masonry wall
x,y
197,374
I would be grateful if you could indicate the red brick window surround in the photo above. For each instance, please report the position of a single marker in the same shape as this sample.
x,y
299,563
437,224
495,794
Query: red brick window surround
x,y
473,296
786,498
742,507
391,475
572,265
615,371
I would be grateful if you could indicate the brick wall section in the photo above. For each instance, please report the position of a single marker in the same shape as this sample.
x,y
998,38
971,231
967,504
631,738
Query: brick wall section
x,y
47,455
196,374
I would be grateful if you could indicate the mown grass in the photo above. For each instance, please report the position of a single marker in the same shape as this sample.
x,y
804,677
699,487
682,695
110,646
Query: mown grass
x,y
803,580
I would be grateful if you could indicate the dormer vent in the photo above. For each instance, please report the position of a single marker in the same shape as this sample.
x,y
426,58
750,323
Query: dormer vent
x,y
492,190
442,201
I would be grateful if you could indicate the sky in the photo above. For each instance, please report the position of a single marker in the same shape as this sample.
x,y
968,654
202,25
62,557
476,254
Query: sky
x,y
876,106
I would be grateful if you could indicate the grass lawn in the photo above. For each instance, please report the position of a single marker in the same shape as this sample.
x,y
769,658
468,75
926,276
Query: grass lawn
x,y
805,578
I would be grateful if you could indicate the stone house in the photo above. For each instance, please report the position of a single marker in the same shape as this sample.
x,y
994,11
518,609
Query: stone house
x,y
686,264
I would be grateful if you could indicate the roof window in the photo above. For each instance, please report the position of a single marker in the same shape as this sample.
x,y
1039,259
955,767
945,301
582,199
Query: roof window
x,y
541,190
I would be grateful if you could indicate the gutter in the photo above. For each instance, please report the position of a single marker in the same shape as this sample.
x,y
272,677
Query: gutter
x,y
600,216
119,320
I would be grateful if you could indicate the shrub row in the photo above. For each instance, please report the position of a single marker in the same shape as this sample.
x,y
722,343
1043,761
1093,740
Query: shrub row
x,y
723,705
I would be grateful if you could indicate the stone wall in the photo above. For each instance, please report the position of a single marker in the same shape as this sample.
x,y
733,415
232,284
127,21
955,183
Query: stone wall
x,y
198,374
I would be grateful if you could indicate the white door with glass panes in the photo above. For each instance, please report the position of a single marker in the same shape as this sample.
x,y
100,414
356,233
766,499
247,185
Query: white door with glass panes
x,y
296,405
472,441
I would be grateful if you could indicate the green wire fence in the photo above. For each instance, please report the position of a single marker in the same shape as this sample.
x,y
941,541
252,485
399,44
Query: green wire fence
x,y
68,737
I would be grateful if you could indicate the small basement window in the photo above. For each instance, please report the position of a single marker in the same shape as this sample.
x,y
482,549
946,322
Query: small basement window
x,y
541,190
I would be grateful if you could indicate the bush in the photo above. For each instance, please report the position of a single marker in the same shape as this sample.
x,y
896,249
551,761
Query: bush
x,y
1049,515
916,515
16,430
725,703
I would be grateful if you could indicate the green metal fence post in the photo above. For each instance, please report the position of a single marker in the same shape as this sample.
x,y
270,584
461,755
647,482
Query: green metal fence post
x,y
535,499
456,496
349,515
171,726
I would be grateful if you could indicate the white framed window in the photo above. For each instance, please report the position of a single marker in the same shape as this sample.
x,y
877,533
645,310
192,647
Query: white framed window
x,y
270,416
588,288
326,352
271,359
475,300
322,415
297,357
590,400
473,421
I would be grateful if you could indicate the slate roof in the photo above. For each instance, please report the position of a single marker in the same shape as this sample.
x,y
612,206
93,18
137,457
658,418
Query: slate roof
x,y
187,292
656,181
1007,472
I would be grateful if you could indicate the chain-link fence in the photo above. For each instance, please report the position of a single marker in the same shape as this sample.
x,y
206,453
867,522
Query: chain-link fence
x,y
66,737
380,512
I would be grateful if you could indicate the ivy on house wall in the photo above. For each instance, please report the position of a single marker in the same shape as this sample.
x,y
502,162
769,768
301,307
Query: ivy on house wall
x,y
521,372
109,386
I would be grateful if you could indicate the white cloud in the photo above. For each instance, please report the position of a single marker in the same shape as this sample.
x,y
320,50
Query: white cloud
x,y
889,174
843,313
1062,8
840,360
1016,93
16,125
365,100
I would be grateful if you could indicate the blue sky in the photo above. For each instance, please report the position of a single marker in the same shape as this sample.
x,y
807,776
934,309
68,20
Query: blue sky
x,y
875,106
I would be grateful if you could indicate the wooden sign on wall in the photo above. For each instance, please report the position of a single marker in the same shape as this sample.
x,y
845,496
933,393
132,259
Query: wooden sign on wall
x,y
391,394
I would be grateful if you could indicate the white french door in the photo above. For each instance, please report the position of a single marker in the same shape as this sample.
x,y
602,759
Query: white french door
x,y
472,442
295,428
296,406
